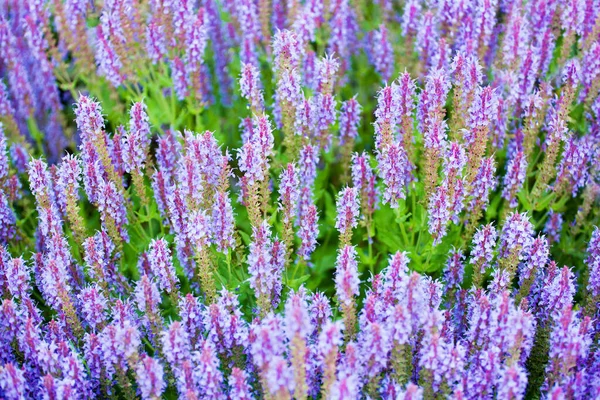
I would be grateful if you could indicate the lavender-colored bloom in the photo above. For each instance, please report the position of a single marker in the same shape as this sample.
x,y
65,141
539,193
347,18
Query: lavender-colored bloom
x,y
516,236
593,263
454,270
395,169
109,63
539,254
569,343
347,210
364,179
516,171
484,242
222,222
120,343
286,50
484,183
307,165
150,378
176,345
111,205
238,385
288,192
346,275
195,41
269,340
512,382
93,306
155,42
250,86
263,265
12,382
349,120
382,53
207,373
7,219
557,294
147,296
439,216
161,265
137,142
553,226
180,79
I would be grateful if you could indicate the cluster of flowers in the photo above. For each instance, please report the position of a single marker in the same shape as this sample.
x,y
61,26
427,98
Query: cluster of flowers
x,y
150,262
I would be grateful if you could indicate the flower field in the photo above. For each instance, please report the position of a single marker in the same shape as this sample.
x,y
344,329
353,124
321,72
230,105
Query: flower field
x,y
299,199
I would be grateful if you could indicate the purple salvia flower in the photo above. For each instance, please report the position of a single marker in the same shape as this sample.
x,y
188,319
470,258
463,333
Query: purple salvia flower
x,y
12,382
195,40
279,377
120,343
307,165
225,325
109,64
288,94
439,215
207,374
517,36
268,340
553,226
250,87
150,379
190,311
147,297
511,382
155,42
382,53
346,388
516,236
539,254
69,177
308,231
320,311
176,345
93,306
7,219
326,70
222,222
572,171
557,294
168,152
347,212
136,143
111,205
375,345
161,265
593,263
198,231
238,385
349,120
570,340
386,116
17,278
3,154
483,184
427,36
484,242
454,270
346,275
364,179
410,17
395,169
264,274
288,192
180,79
516,171
286,51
